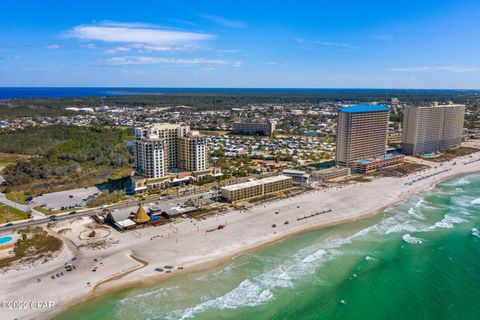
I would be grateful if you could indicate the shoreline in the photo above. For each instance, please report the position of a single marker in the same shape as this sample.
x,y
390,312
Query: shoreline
x,y
138,276
206,265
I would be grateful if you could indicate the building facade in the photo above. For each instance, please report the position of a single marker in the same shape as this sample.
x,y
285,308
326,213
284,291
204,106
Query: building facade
x,y
255,128
362,132
429,129
256,188
330,173
379,164
162,147
299,177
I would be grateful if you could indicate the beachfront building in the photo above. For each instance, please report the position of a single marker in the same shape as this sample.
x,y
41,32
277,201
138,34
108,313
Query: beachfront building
x,y
372,165
256,188
299,177
192,152
430,129
255,128
163,148
362,132
330,173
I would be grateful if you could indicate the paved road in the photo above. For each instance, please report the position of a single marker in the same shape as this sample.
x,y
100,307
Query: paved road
x,y
38,220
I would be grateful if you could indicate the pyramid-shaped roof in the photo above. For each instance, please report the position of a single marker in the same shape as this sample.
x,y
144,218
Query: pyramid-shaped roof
x,y
141,216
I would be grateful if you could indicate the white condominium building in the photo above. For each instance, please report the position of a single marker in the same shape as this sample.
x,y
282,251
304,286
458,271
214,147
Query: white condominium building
x,y
429,129
163,146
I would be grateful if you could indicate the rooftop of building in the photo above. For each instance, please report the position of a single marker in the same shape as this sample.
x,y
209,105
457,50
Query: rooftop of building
x,y
364,108
331,169
293,172
381,158
255,182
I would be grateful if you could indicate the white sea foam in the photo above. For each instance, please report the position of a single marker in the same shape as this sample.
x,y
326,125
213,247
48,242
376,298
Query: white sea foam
x,y
260,289
408,226
156,293
475,232
447,222
461,182
412,240
444,225
247,294
476,201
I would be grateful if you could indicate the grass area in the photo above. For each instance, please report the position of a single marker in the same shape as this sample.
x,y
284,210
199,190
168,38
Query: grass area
x,y
451,154
402,170
213,132
49,212
120,173
35,244
10,158
87,178
8,214
18,197
107,198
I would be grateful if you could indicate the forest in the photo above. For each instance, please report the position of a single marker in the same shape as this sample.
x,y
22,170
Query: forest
x,y
211,99
62,152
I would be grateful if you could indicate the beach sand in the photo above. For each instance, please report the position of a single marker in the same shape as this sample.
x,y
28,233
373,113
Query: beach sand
x,y
131,262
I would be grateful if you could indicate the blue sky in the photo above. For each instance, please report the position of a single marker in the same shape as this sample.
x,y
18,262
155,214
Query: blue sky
x,y
303,44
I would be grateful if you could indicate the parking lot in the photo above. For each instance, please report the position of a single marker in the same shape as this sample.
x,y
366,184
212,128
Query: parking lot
x,y
68,199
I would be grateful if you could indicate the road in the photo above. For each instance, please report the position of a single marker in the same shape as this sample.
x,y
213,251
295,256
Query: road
x,y
21,207
38,220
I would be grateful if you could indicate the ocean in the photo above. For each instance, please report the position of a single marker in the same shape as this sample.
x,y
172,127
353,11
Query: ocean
x,y
416,260
331,93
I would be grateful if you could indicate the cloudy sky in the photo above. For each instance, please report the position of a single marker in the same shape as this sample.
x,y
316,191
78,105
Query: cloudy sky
x,y
303,44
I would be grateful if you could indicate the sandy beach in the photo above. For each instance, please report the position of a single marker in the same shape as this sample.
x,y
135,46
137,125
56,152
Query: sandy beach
x,y
131,258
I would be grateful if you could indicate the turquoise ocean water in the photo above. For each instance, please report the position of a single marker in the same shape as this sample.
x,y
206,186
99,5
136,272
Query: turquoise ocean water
x,y
416,260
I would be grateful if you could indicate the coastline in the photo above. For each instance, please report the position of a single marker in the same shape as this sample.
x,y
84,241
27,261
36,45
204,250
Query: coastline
x,y
223,260
138,275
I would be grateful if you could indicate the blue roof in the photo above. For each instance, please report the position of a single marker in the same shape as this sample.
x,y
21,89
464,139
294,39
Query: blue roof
x,y
364,108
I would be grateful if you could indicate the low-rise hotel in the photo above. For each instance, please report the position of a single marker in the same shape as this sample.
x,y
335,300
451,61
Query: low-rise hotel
x,y
330,173
372,165
256,188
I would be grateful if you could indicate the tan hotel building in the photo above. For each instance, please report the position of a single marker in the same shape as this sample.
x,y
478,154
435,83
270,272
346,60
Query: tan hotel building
x,y
430,129
261,128
161,147
362,132
256,188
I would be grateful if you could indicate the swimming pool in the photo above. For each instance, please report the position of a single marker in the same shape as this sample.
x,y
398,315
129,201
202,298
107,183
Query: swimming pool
x,y
5,239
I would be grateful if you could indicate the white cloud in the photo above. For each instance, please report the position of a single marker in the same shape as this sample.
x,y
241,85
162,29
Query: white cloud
x,y
229,23
228,51
53,46
452,69
383,37
135,33
133,60
275,63
89,46
117,49
336,44
147,47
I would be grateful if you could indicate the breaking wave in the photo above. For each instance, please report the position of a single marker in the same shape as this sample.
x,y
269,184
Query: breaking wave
x,y
412,240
